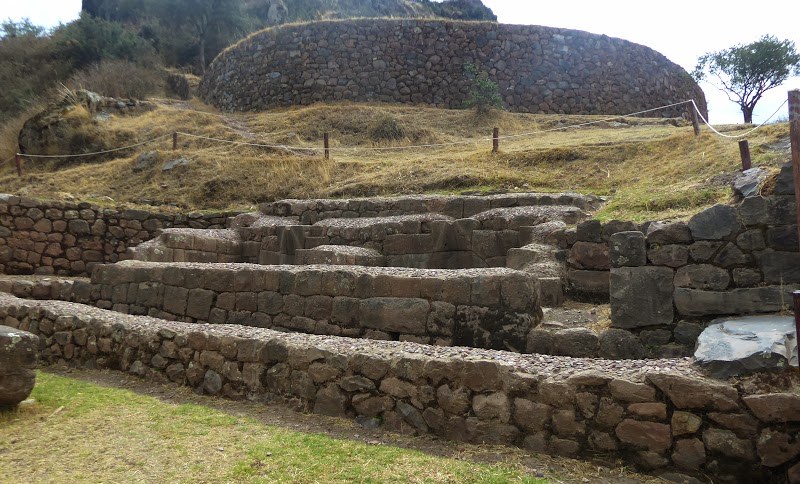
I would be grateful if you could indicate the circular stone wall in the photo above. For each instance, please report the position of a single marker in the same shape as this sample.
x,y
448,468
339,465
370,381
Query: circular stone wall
x,y
538,69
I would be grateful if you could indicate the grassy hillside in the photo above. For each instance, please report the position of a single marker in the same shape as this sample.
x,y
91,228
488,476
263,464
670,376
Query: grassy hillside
x,y
650,168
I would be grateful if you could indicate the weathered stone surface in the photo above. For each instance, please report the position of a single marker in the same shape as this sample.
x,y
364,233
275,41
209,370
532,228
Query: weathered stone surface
x,y
641,296
668,255
776,448
731,256
784,182
728,444
540,341
689,454
702,276
589,255
686,333
736,346
590,284
494,406
650,410
696,302
628,249
19,352
685,423
704,250
748,183
402,315
774,407
531,416
689,393
331,401
744,277
649,435
576,342
620,344
665,233
780,267
717,222
628,391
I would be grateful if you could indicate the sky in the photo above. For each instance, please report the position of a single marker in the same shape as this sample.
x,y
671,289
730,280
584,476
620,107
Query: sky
x,y
682,30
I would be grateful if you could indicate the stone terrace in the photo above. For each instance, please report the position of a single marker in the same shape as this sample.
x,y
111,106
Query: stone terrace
x,y
653,414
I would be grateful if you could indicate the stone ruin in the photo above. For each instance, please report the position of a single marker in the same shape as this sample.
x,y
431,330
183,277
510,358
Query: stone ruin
x,y
423,314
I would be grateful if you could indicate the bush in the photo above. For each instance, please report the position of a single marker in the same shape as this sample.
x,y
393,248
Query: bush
x,y
116,78
386,128
484,94
178,85
90,40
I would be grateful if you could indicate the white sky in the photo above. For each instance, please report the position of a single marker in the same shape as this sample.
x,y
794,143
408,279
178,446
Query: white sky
x,y
682,30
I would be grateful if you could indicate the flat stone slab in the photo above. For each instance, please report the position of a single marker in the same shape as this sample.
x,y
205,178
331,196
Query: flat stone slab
x,y
736,346
373,221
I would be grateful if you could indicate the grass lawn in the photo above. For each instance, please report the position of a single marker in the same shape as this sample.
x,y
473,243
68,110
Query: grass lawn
x,y
77,431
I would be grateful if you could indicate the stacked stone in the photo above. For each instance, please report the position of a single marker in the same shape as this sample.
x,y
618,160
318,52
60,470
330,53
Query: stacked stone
x,y
308,212
654,415
484,308
538,69
68,238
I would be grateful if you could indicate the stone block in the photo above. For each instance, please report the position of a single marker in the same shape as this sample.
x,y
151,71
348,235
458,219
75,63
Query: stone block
x,y
717,222
696,302
628,249
589,284
576,342
702,276
665,233
389,314
668,255
641,296
590,255
774,407
652,436
620,344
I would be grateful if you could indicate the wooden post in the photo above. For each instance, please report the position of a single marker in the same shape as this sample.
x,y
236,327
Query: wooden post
x,y
18,160
794,135
496,140
326,140
744,150
174,141
695,123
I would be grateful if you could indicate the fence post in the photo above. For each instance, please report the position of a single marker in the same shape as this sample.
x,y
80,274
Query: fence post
x,y
693,117
18,161
174,141
794,135
496,140
326,140
744,151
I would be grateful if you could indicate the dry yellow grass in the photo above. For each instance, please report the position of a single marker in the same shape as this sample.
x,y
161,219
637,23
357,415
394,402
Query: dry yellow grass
x,y
650,168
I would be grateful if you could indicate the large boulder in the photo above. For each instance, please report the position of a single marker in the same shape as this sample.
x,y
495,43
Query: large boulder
x,y
19,352
735,346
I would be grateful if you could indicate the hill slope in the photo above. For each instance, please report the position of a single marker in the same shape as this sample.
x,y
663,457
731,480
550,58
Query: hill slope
x,y
651,168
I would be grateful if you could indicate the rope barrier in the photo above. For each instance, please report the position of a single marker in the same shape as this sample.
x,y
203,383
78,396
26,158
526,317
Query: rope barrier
x,y
98,152
737,135
394,148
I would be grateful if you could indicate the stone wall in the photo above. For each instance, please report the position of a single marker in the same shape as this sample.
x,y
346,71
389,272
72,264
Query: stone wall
x,y
484,308
664,277
538,69
65,238
655,415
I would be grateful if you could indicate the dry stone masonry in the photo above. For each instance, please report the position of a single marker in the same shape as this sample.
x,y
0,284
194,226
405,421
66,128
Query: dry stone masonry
x,y
19,353
654,414
67,238
538,69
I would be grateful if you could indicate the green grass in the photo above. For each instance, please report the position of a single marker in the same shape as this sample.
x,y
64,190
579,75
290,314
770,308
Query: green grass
x,y
82,432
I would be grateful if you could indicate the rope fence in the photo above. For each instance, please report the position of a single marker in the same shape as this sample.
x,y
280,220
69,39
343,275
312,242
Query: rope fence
x,y
495,138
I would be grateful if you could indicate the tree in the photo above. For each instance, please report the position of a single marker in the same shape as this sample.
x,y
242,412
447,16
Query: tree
x,y
210,21
484,94
747,71
24,28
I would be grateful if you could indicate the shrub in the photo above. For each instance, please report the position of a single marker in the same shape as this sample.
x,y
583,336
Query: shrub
x,y
178,85
386,128
484,94
118,78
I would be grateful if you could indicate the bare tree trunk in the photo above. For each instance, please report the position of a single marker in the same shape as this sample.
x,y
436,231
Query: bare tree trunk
x,y
748,114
